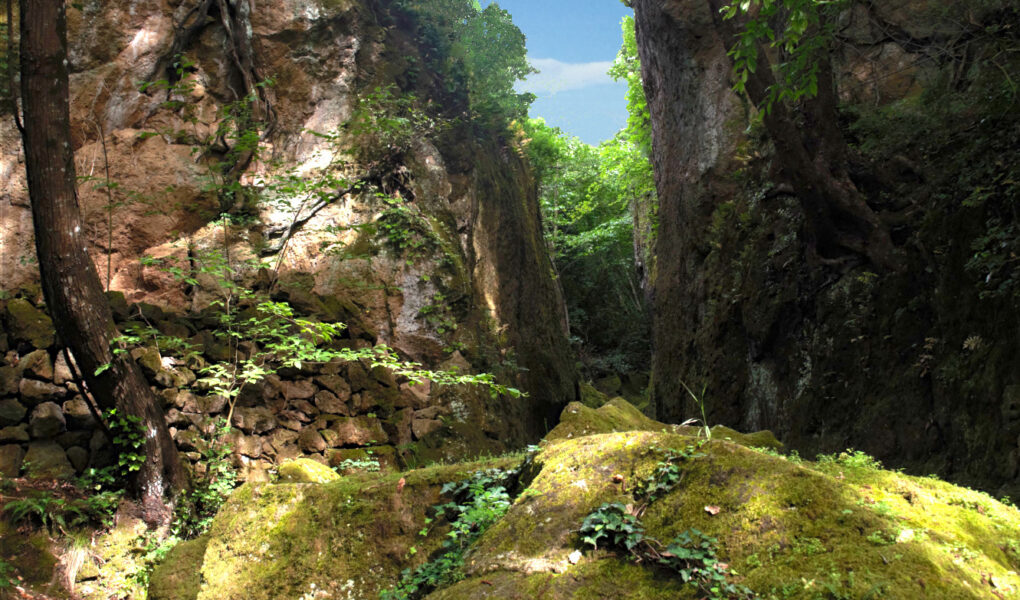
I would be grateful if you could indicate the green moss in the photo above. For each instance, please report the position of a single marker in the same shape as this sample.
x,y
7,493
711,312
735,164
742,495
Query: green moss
x,y
348,538
608,577
305,470
616,415
591,397
788,529
178,577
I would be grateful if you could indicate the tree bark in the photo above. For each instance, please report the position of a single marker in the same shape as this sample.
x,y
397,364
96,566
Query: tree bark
x,y
74,294
812,155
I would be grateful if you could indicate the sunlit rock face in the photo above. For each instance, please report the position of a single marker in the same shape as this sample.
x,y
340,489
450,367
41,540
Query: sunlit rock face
x,y
915,367
430,244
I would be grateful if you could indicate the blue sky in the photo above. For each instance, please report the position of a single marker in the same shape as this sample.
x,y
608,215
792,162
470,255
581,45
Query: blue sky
x,y
572,43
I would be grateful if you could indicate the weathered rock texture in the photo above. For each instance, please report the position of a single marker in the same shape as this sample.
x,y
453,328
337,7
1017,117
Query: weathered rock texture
x,y
917,367
436,252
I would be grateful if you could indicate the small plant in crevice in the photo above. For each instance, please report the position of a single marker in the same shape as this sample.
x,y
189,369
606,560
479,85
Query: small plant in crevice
x,y
8,579
691,555
477,503
613,526
668,472
368,464
196,508
699,401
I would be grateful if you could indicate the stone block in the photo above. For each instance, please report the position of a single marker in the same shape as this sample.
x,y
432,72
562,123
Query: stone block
x,y
14,433
11,457
359,431
253,420
47,421
35,392
10,377
78,457
78,415
300,389
29,324
37,365
47,460
310,441
329,403
11,412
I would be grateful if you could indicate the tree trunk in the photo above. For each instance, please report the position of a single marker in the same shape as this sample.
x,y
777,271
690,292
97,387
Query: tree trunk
x,y
812,155
74,295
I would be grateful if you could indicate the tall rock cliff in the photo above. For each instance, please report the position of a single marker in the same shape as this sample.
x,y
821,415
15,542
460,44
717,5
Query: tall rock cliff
x,y
369,198
914,365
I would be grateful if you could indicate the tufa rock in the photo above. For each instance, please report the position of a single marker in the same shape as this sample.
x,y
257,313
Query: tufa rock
x,y
29,324
422,427
47,421
337,385
118,304
301,389
188,439
179,576
74,438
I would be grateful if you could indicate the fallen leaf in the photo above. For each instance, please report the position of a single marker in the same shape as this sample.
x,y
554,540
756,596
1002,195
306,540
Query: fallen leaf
x,y
712,510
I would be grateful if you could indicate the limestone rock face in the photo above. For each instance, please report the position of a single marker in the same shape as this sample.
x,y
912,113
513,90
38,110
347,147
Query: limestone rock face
x,y
914,367
477,258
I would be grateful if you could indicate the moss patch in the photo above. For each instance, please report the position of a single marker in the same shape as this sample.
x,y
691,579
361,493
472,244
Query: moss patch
x,y
347,538
305,470
616,415
179,576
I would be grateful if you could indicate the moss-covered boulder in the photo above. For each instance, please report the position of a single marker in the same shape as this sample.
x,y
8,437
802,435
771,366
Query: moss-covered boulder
x,y
578,420
838,528
27,323
306,470
179,576
618,415
348,538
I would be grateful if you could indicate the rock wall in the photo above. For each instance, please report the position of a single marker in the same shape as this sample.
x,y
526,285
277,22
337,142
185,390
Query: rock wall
x,y
918,367
429,241
329,412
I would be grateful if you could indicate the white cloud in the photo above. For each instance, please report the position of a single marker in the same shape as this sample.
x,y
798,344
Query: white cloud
x,y
555,76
